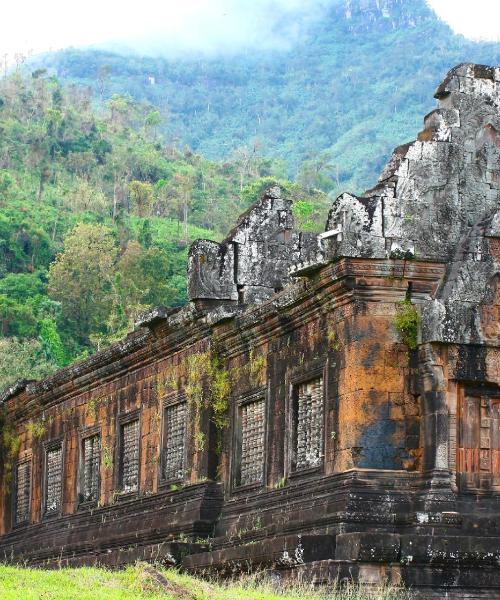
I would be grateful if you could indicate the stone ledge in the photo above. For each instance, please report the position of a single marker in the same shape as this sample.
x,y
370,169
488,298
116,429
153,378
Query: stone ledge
x,y
278,552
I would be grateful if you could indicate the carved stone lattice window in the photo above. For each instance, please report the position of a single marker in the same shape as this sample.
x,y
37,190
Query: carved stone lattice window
x,y
252,428
90,465
174,441
308,424
23,486
130,456
53,481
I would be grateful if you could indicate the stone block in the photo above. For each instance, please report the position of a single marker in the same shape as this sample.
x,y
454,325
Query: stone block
x,y
368,547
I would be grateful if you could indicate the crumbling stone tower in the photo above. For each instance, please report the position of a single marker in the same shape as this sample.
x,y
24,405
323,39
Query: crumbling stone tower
x,y
325,406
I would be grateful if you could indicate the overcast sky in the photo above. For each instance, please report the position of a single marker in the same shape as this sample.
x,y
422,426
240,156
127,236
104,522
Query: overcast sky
x,y
38,25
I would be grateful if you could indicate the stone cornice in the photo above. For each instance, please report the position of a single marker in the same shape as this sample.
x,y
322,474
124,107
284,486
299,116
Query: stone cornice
x,y
335,285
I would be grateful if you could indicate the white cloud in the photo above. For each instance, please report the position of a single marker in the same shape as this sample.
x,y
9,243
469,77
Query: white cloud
x,y
209,25
193,24
36,25
476,19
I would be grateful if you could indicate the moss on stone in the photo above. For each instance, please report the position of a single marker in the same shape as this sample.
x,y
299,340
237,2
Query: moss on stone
x,y
407,321
11,444
37,429
257,368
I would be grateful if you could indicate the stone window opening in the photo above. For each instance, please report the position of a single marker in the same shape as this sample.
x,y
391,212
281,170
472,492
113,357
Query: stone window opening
x,y
174,442
129,457
22,492
53,479
307,424
250,443
90,469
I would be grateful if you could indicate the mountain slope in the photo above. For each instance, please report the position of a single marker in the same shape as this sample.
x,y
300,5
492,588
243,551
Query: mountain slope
x,y
356,84
96,216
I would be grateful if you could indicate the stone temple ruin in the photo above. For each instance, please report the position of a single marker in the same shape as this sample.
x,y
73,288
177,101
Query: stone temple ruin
x,y
325,407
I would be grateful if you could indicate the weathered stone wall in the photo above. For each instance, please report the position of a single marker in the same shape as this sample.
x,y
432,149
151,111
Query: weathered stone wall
x,y
324,406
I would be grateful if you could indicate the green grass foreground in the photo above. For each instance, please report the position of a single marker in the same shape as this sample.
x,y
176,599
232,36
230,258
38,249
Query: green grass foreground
x,y
141,582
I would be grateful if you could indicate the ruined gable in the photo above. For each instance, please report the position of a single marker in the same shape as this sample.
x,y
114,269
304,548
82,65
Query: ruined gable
x,y
433,190
252,263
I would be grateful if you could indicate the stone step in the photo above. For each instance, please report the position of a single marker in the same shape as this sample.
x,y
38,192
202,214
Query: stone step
x,y
277,552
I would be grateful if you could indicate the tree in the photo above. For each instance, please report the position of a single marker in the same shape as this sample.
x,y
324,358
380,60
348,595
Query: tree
x,y
81,279
185,183
142,195
86,197
121,110
246,161
178,192
318,173
8,187
16,319
51,342
142,280
303,212
151,122
23,287
27,360
102,77
147,271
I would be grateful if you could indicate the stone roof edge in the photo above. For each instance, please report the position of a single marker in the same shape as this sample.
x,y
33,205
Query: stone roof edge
x,y
175,318
14,389
131,342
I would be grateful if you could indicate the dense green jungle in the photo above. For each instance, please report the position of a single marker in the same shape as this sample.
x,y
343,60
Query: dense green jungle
x,y
96,217
112,163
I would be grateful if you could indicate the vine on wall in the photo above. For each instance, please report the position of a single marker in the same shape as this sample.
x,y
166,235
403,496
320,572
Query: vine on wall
x,y
11,443
208,385
94,405
167,380
10,438
257,366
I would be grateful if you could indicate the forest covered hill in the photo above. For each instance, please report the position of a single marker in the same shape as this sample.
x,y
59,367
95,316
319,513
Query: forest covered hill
x,y
96,216
356,83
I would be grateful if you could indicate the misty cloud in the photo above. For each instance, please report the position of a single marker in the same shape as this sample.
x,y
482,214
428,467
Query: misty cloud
x,y
175,27
215,26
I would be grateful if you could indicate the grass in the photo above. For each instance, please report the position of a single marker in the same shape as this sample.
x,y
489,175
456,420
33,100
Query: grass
x,y
144,582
